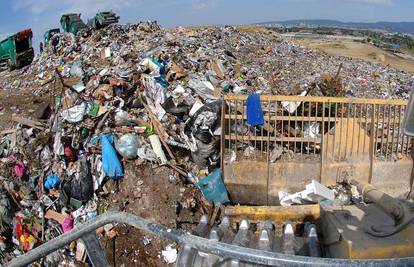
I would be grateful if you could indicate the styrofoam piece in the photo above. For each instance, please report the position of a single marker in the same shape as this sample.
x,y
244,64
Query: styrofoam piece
x,y
290,106
314,192
156,146
197,105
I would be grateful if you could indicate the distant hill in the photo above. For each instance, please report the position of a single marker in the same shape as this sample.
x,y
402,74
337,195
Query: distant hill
x,y
401,27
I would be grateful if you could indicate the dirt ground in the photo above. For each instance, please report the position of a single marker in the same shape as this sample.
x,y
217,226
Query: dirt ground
x,y
148,193
359,50
22,102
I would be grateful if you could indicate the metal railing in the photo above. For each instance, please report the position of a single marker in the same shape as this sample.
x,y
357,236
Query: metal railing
x,y
322,127
86,232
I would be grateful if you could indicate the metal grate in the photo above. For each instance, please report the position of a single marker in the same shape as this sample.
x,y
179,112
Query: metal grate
x,y
324,128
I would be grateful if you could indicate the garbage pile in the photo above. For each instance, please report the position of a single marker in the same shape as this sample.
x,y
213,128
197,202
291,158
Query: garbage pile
x,y
108,112
139,93
230,59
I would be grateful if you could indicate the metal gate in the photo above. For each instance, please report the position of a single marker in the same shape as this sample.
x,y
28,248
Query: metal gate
x,y
322,138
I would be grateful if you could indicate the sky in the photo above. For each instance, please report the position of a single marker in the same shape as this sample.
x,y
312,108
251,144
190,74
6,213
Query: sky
x,y
41,15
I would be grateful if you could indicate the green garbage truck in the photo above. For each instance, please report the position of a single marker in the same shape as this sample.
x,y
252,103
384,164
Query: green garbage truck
x,y
16,50
49,33
103,19
73,23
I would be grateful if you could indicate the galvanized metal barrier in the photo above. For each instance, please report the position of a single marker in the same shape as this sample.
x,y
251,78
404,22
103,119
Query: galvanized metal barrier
x,y
346,137
223,250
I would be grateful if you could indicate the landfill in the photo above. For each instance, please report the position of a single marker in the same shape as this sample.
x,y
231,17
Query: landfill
x,y
131,101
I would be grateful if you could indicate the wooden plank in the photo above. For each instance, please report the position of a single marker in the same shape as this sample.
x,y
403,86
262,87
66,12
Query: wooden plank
x,y
264,138
310,119
28,122
59,217
8,131
320,99
279,118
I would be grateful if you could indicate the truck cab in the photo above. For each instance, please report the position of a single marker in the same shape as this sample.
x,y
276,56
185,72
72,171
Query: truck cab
x,y
103,19
48,34
73,23
16,50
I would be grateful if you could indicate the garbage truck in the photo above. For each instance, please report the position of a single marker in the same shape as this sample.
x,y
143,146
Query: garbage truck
x,y
16,50
49,33
311,181
103,19
73,23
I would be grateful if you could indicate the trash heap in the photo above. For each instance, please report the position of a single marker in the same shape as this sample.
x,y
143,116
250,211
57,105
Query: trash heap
x,y
232,59
139,93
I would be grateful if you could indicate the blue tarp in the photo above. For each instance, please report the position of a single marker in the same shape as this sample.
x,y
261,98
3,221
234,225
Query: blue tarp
x,y
110,163
213,188
254,110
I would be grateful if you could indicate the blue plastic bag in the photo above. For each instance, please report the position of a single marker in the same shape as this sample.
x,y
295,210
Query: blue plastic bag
x,y
162,81
52,181
161,65
213,188
110,163
254,110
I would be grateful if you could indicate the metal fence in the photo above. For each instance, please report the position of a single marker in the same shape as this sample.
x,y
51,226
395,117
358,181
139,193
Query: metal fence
x,y
329,128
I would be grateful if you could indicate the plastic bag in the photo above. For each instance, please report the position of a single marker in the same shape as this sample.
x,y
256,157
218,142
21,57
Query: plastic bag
x,y
145,151
6,214
19,169
110,162
203,152
203,88
148,64
81,186
58,148
205,121
154,89
67,224
127,146
74,114
76,69
121,118
213,188
52,181
254,110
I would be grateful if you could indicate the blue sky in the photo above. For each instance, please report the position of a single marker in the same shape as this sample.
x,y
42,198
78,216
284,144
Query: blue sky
x,y
41,15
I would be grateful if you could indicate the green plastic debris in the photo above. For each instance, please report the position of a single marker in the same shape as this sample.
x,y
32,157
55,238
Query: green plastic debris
x,y
85,132
94,108
149,131
58,101
75,203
